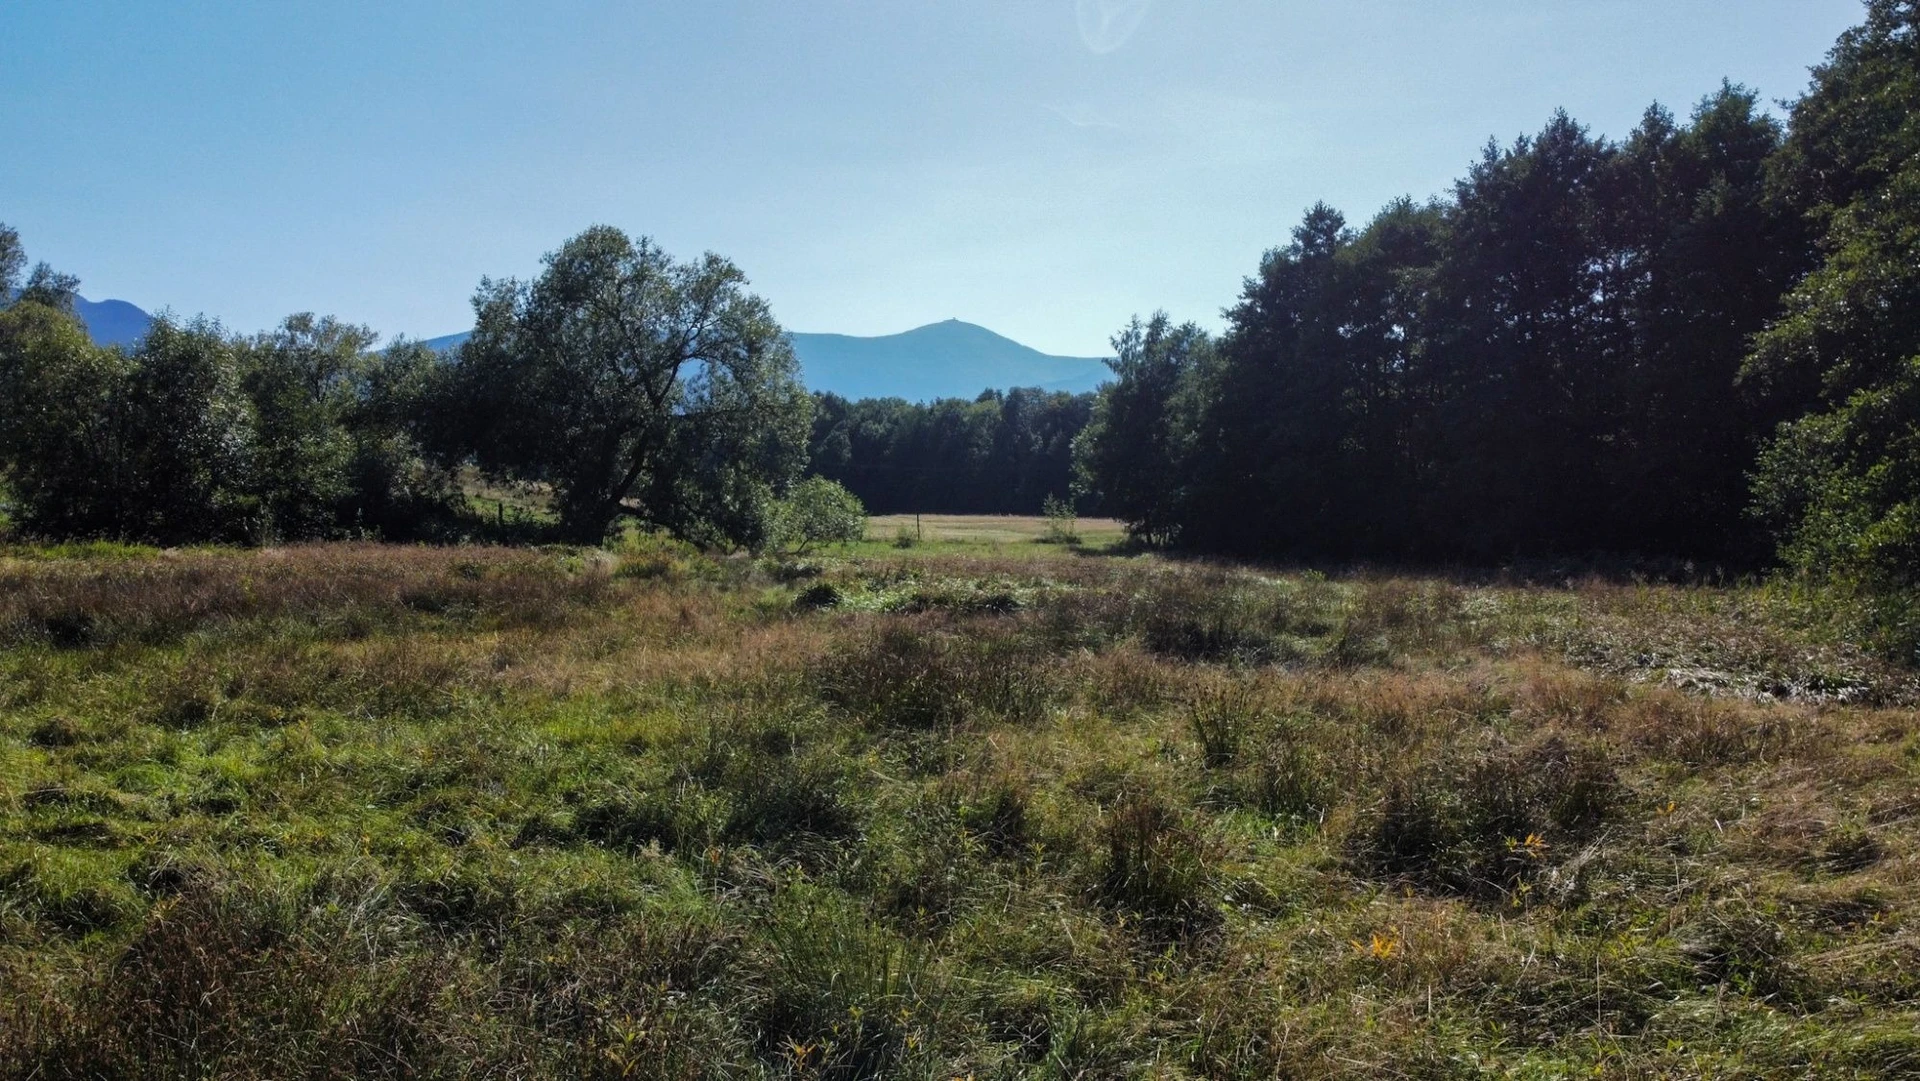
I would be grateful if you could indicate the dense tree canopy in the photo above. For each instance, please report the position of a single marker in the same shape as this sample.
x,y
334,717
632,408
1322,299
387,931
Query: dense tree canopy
x,y
1002,453
634,384
1841,483
1138,448
196,435
1543,362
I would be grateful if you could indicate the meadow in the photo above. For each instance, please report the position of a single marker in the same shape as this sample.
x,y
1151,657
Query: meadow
x,y
992,534
974,808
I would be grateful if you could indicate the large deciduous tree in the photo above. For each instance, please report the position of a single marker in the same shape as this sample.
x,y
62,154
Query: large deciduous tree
x,y
634,384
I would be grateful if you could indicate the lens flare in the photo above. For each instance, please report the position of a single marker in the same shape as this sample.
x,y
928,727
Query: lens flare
x,y
1105,25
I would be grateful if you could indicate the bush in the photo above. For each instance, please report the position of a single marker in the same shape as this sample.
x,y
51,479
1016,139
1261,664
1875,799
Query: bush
x,y
846,998
1222,718
818,512
1288,777
1062,522
1219,619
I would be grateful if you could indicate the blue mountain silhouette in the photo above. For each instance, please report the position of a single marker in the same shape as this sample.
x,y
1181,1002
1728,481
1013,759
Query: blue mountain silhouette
x,y
941,360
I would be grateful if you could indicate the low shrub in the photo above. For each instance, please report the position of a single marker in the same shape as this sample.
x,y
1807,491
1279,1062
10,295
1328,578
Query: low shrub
x,y
997,811
1289,777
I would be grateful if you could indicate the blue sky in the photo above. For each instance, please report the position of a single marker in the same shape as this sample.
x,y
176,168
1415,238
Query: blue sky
x,y
1046,168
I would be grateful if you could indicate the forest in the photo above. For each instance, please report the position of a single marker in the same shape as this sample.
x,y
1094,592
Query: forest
x,y
1699,342
1002,453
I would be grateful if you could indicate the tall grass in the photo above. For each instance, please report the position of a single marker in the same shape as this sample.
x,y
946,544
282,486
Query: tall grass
x,y
388,812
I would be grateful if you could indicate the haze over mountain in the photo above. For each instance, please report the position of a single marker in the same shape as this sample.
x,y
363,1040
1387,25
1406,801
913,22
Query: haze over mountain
x,y
941,360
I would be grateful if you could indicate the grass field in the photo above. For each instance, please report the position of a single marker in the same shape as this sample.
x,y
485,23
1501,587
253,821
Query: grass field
x,y
974,811
988,528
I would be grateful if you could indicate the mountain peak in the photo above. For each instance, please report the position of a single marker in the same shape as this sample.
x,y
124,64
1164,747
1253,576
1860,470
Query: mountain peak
x,y
949,359
112,322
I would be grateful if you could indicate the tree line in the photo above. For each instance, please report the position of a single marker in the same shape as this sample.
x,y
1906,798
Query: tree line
x,y
1001,453
625,383
1701,340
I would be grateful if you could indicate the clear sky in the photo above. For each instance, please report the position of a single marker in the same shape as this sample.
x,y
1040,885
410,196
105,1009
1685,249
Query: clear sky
x,y
1046,168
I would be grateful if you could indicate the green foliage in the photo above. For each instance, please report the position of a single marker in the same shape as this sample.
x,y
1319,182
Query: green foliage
x,y
1001,453
1156,864
302,379
193,435
192,445
1840,485
1136,453
61,440
1062,521
1541,363
50,287
13,259
817,512
633,384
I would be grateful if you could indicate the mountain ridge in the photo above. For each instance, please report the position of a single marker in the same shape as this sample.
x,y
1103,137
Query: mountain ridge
x,y
948,359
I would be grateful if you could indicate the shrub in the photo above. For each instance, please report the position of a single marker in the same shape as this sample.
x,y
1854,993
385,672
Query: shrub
x,y
997,811
846,998
1288,778
818,596
776,799
818,511
1212,624
632,821
1062,522
1388,617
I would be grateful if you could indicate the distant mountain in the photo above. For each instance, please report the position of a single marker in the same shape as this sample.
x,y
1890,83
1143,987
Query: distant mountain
x,y
941,360
112,322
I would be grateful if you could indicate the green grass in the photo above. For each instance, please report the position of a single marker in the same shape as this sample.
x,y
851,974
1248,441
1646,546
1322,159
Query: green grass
x,y
903,535
981,810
